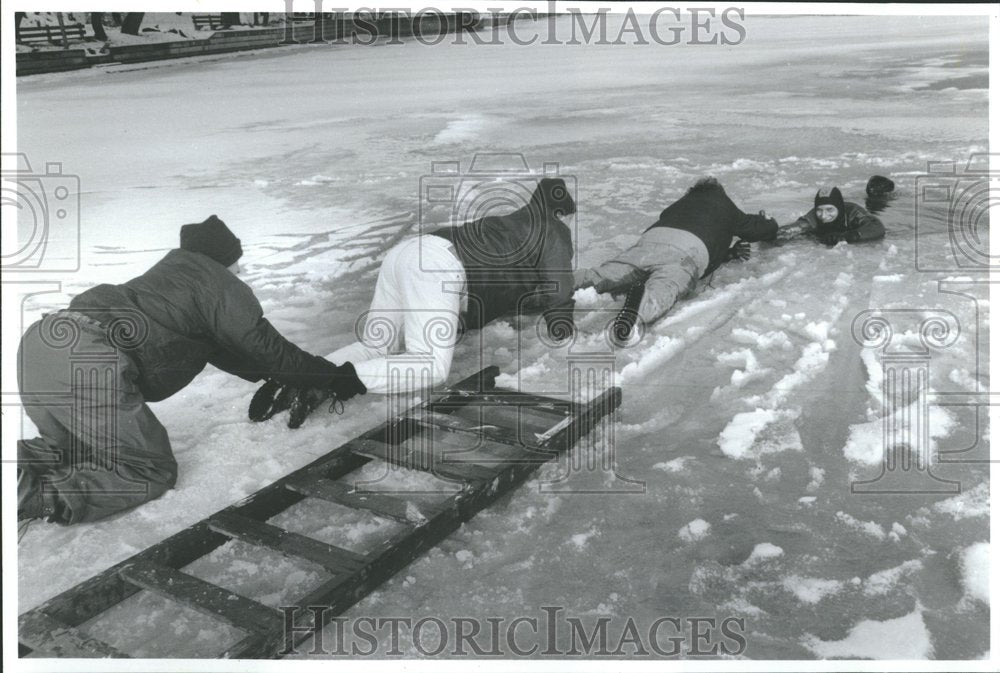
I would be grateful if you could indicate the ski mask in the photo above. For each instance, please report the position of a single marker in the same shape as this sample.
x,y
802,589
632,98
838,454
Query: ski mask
x,y
833,198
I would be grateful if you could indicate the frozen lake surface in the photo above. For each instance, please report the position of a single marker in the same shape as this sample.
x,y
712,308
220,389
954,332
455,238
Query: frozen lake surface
x,y
747,413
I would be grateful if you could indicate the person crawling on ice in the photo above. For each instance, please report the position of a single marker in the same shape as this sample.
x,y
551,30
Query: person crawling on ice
x,y
432,287
85,374
692,237
833,220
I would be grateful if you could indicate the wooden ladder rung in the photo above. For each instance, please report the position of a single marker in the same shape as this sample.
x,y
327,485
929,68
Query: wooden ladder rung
x,y
50,637
549,406
381,504
485,450
510,436
335,559
398,455
205,597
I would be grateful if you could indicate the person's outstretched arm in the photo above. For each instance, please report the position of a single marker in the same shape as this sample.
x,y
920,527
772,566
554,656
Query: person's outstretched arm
x,y
805,225
757,228
250,347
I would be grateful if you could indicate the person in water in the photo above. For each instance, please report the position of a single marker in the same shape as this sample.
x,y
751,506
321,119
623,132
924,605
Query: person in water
x,y
833,220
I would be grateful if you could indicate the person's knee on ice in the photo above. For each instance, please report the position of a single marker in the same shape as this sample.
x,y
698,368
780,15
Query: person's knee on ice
x,y
190,309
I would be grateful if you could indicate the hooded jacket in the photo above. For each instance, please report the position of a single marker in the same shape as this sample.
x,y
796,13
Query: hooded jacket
x,y
707,212
519,260
853,223
194,312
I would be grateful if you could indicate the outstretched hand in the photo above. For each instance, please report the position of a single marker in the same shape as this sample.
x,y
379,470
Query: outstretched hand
x,y
739,252
273,398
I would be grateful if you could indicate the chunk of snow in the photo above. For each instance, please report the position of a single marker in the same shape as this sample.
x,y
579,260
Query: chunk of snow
x,y
879,584
972,503
748,434
811,589
652,358
866,527
762,552
819,331
675,465
906,637
867,443
816,475
581,539
741,432
976,571
963,378
694,530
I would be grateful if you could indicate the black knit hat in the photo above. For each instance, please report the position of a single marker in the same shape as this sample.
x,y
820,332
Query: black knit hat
x,y
213,239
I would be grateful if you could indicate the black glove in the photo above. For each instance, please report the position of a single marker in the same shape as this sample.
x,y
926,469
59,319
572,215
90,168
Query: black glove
x,y
344,385
270,399
831,238
740,251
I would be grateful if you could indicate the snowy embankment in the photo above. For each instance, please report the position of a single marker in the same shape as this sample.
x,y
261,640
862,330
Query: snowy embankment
x,y
748,412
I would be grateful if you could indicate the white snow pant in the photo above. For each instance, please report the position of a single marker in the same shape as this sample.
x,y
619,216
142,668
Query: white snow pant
x,y
407,338
671,261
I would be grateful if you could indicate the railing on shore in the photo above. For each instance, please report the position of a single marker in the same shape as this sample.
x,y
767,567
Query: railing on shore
x,y
333,28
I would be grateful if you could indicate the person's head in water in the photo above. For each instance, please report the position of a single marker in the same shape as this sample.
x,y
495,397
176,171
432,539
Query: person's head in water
x,y
830,210
879,190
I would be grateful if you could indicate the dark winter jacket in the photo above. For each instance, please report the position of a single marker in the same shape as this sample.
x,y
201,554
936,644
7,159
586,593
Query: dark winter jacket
x,y
519,260
707,212
859,225
194,311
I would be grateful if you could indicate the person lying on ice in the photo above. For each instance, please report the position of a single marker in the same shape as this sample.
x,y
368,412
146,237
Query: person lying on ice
x,y
432,287
101,449
692,237
833,220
